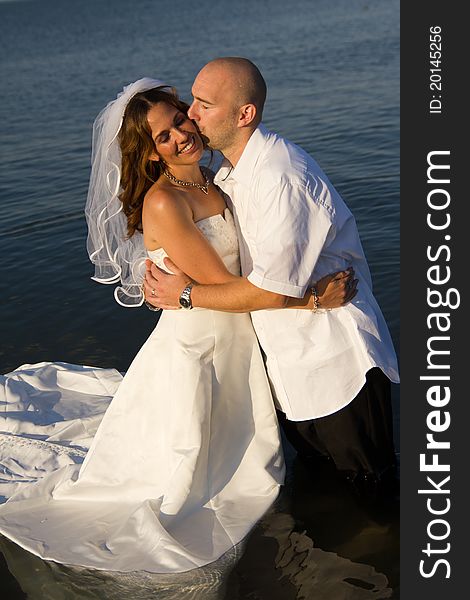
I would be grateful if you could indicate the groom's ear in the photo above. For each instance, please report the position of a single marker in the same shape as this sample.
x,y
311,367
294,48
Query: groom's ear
x,y
246,115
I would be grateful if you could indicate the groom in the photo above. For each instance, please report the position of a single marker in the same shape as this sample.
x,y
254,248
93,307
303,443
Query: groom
x,y
330,371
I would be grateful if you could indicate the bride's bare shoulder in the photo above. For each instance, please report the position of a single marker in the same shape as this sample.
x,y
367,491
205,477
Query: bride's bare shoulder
x,y
165,201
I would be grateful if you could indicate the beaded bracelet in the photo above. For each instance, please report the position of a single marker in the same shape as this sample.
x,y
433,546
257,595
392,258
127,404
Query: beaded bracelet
x,y
316,303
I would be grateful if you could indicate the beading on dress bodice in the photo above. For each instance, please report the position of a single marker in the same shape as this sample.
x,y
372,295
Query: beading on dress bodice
x,y
221,233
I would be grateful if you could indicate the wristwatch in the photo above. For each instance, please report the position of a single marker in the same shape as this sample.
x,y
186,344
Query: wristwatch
x,y
185,298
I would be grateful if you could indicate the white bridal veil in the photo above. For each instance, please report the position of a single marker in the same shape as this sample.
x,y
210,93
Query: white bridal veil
x,y
116,258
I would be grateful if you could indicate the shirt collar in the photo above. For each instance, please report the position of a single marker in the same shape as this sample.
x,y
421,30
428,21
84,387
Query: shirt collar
x,y
244,169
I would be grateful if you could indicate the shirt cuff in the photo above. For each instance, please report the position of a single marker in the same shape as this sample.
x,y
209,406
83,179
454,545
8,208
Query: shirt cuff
x,y
286,289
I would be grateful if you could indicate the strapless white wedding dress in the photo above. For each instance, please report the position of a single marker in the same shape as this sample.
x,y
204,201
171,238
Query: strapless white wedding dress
x,y
167,476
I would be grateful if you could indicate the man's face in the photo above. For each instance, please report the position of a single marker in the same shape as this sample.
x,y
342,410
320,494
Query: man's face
x,y
214,108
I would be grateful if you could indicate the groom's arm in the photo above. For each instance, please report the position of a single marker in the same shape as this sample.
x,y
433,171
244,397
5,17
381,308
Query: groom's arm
x,y
238,294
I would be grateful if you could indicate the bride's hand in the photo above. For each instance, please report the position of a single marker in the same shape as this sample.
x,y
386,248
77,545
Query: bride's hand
x,y
163,289
336,289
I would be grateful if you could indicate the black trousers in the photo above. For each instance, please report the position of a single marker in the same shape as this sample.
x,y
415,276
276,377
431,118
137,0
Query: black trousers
x,y
358,438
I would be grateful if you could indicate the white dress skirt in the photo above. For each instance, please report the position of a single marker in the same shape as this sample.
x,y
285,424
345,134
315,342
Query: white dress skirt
x,y
166,477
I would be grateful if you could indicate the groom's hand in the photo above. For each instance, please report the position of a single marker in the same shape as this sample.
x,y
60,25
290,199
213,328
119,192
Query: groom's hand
x,y
336,289
163,289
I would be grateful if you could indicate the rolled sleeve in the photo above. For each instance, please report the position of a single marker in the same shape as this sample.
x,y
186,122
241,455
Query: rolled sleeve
x,y
277,287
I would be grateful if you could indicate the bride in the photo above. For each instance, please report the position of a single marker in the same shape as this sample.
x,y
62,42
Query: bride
x,y
186,458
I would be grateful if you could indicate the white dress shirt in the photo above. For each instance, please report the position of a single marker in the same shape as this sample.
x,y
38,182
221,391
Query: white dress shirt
x,y
293,229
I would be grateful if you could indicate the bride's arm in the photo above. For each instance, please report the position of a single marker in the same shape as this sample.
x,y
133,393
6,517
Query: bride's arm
x,y
168,218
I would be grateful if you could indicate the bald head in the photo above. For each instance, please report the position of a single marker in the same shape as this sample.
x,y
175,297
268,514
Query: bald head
x,y
229,95
242,78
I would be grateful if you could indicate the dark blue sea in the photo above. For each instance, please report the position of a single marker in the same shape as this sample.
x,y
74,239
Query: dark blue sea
x,y
332,69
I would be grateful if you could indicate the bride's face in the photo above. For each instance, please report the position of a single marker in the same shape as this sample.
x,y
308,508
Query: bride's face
x,y
177,141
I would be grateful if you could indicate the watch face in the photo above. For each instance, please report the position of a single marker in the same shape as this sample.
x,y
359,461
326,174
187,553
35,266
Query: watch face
x,y
185,303
185,298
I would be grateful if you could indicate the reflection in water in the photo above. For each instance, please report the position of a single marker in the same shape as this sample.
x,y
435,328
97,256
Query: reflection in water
x,y
46,580
280,564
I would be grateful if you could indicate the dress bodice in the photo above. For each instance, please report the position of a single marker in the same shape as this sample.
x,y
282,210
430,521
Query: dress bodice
x,y
221,233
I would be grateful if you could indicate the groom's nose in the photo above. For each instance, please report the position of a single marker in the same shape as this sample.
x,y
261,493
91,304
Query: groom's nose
x,y
192,112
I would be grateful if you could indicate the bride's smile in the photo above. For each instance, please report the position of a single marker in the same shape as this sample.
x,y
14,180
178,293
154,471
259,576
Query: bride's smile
x,y
188,147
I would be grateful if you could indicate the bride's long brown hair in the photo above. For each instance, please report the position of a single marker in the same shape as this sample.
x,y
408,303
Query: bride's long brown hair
x,y
138,172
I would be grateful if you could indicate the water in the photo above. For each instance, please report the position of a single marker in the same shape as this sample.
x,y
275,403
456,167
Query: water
x,y
332,74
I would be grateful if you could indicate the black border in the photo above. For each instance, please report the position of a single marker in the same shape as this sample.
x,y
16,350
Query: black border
x,y
421,133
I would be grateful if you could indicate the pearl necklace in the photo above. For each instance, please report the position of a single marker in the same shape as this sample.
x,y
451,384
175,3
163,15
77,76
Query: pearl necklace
x,y
203,187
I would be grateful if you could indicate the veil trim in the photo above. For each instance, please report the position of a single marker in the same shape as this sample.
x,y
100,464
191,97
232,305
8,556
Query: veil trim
x,y
117,258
